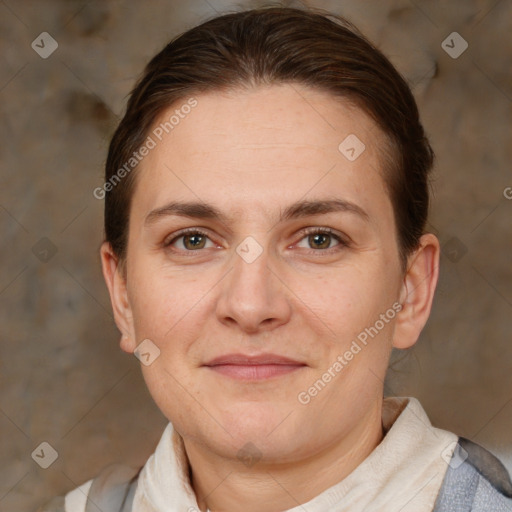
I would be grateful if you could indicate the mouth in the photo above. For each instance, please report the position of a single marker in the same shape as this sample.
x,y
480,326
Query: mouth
x,y
261,367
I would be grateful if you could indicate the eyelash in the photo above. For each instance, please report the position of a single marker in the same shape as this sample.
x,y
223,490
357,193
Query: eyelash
x,y
342,243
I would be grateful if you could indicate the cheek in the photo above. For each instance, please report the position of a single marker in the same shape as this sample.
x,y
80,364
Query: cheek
x,y
345,300
163,302
153,311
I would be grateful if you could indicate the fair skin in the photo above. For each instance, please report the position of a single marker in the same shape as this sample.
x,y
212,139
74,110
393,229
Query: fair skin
x,y
251,154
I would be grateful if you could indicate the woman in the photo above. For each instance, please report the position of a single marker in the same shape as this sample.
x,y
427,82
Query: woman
x,y
266,196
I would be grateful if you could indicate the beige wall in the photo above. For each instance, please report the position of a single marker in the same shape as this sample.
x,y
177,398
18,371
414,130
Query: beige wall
x,y
63,378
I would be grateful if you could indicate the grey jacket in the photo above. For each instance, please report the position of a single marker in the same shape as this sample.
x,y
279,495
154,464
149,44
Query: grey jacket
x,y
476,481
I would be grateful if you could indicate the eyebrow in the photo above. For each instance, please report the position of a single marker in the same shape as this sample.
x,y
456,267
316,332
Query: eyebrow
x,y
299,209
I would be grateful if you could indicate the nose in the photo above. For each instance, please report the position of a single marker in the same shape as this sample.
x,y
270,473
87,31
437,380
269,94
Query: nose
x,y
253,296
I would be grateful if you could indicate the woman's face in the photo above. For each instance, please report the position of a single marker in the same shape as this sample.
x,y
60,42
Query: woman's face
x,y
264,167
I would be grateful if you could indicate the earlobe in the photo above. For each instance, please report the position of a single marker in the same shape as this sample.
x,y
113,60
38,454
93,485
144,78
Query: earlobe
x,y
417,292
127,344
116,285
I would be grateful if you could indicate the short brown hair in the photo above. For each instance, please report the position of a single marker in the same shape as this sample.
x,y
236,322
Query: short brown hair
x,y
278,45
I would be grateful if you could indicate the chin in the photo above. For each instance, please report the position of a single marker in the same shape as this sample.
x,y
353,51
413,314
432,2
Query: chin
x,y
267,426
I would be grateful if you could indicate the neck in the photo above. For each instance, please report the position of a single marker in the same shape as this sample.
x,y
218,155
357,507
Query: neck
x,y
220,485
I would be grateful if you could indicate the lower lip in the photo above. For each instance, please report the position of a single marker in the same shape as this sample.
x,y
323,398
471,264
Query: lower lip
x,y
255,371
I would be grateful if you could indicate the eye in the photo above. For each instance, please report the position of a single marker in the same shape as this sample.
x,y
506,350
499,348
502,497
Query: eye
x,y
320,239
191,240
194,239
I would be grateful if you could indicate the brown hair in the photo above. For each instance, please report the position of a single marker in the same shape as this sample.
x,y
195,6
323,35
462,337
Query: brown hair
x,y
278,45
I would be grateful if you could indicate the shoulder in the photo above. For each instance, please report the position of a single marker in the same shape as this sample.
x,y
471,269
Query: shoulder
x,y
476,480
112,490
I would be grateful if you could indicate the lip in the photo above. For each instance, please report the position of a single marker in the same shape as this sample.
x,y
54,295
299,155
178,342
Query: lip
x,y
244,360
258,367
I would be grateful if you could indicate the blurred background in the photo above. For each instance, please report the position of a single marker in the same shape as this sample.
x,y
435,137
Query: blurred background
x,y
63,378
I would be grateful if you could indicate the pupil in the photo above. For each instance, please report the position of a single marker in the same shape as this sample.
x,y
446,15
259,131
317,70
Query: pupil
x,y
318,236
196,238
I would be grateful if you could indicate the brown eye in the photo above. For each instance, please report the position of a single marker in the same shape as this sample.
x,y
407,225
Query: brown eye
x,y
191,240
320,239
194,242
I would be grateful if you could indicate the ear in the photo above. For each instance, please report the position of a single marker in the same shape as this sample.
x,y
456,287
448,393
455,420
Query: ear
x,y
417,292
116,284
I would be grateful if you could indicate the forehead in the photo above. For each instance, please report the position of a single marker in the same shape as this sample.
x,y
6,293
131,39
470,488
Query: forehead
x,y
249,151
